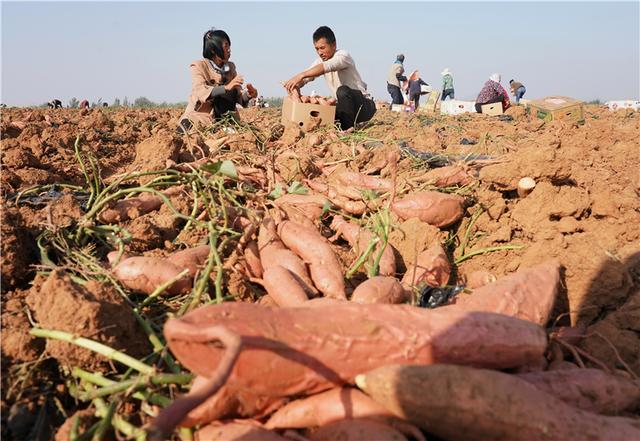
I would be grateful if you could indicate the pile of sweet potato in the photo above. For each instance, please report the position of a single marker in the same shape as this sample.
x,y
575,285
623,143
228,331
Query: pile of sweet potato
x,y
419,371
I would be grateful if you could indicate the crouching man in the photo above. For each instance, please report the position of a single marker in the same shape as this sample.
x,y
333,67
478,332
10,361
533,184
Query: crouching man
x,y
354,103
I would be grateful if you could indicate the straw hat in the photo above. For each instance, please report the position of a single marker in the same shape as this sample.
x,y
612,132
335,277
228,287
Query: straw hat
x,y
445,71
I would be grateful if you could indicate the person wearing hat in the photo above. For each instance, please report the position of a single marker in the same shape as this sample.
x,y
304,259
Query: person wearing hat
x,y
396,74
517,90
216,87
447,84
492,92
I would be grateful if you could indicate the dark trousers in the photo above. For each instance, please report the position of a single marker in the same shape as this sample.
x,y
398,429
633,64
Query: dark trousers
x,y
352,107
495,100
447,93
416,100
221,104
396,94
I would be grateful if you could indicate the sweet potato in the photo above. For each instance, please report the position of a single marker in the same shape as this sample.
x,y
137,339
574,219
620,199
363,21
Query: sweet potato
x,y
236,431
359,239
356,430
379,289
308,244
252,257
435,208
131,208
432,267
273,252
283,286
592,390
311,205
144,274
326,407
230,403
459,402
360,180
447,176
191,258
527,294
291,351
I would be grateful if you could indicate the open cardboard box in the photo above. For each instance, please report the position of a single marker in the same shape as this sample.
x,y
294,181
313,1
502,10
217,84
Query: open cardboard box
x,y
305,115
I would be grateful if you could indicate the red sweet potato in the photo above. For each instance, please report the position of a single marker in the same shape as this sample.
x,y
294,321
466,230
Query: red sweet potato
x,y
311,206
229,403
137,206
326,407
273,252
192,259
283,286
356,430
447,176
290,351
360,238
144,274
236,431
360,180
379,289
252,257
308,244
527,294
592,390
435,208
459,402
432,267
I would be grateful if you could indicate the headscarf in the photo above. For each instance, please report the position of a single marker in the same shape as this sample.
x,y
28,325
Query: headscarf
x,y
495,77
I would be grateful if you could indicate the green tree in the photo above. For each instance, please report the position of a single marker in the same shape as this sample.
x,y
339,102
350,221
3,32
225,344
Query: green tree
x,y
143,102
274,101
116,102
125,103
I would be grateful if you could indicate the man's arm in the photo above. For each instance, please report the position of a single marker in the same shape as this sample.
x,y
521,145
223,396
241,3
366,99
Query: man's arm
x,y
297,81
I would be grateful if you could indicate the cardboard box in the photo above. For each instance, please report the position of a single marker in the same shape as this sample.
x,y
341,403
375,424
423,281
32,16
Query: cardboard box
x,y
402,107
557,108
623,104
492,109
431,102
304,114
457,107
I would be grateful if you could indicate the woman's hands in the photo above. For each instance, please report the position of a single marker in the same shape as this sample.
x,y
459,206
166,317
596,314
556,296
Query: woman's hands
x,y
235,82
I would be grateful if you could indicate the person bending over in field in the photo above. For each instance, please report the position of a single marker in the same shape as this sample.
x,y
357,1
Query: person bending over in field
x,y
354,105
492,92
216,87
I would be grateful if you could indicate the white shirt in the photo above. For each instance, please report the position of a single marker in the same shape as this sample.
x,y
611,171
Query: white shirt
x,y
340,70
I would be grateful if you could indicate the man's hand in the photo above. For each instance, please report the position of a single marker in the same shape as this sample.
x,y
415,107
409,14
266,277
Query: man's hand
x,y
295,82
252,91
235,82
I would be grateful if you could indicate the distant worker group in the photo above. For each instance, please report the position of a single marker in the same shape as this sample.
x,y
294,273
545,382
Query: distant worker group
x,y
491,92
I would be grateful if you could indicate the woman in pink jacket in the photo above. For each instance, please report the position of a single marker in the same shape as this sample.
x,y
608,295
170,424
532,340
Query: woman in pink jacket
x,y
216,87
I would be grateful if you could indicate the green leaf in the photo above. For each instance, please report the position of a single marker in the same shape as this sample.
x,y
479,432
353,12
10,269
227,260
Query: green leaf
x,y
225,168
297,188
368,195
325,208
276,192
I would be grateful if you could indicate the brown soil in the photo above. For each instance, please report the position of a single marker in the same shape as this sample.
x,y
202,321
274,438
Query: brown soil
x,y
584,210
94,311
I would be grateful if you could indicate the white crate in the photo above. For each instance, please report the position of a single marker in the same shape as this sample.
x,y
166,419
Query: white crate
x,y
623,104
457,107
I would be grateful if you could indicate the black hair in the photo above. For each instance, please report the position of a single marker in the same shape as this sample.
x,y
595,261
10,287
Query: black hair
x,y
212,43
510,81
326,33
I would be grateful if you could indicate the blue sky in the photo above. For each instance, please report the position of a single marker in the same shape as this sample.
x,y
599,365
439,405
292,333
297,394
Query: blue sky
x,y
105,50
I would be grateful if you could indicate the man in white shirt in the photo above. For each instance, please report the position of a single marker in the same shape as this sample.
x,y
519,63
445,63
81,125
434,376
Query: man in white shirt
x,y
354,103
